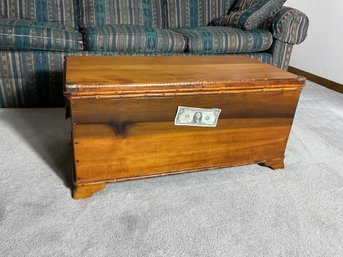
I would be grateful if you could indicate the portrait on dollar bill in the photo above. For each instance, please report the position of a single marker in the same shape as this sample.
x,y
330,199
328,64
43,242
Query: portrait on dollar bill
x,y
197,117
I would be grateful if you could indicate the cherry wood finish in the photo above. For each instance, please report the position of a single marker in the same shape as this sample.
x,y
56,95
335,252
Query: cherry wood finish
x,y
82,191
123,111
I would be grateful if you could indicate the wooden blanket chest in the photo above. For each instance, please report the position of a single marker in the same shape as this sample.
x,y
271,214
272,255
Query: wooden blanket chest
x,y
123,113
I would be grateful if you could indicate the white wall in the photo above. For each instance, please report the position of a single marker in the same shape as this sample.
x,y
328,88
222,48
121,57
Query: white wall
x,y
322,51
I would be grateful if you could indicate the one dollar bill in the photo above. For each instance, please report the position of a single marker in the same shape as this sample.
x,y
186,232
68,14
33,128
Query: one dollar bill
x,y
197,117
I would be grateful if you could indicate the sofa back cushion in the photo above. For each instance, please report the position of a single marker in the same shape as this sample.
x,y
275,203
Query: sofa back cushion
x,y
131,12
243,5
250,14
194,13
60,11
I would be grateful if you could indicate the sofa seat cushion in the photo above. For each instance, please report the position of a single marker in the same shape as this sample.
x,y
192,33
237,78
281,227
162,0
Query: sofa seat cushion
x,y
224,40
37,35
133,39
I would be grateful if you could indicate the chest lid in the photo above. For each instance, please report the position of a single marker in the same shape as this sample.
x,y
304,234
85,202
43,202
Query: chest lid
x,y
122,76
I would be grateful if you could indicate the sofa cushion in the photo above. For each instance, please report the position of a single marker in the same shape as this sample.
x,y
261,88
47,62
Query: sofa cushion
x,y
133,39
194,13
59,11
209,40
249,14
35,35
111,12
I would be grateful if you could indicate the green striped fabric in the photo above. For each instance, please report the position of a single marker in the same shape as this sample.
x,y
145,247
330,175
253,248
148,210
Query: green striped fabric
x,y
223,40
36,35
31,78
18,34
290,25
281,52
57,11
133,39
262,57
266,25
241,5
35,78
111,12
194,13
249,14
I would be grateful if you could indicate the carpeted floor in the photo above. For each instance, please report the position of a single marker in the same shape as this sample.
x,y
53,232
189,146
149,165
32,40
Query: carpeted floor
x,y
241,211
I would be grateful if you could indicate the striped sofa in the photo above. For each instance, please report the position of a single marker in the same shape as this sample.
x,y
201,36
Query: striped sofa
x,y
36,35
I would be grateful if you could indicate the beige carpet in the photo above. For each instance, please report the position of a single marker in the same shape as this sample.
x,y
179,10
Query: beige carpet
x,y
241,211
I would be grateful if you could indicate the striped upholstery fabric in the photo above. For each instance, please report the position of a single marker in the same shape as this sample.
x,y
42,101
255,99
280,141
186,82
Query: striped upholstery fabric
x,y
111,12
281,52
290,25
249,14
31,79
223,40
133,39
36,35
35,78
21,34
59,11
194,13
262,57
266,25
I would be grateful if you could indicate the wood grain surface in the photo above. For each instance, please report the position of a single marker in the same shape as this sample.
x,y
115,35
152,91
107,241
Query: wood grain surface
x,y
123,111
95,75
157,147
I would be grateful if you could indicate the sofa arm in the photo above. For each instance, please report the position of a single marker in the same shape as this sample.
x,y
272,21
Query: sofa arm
x,y
290,25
